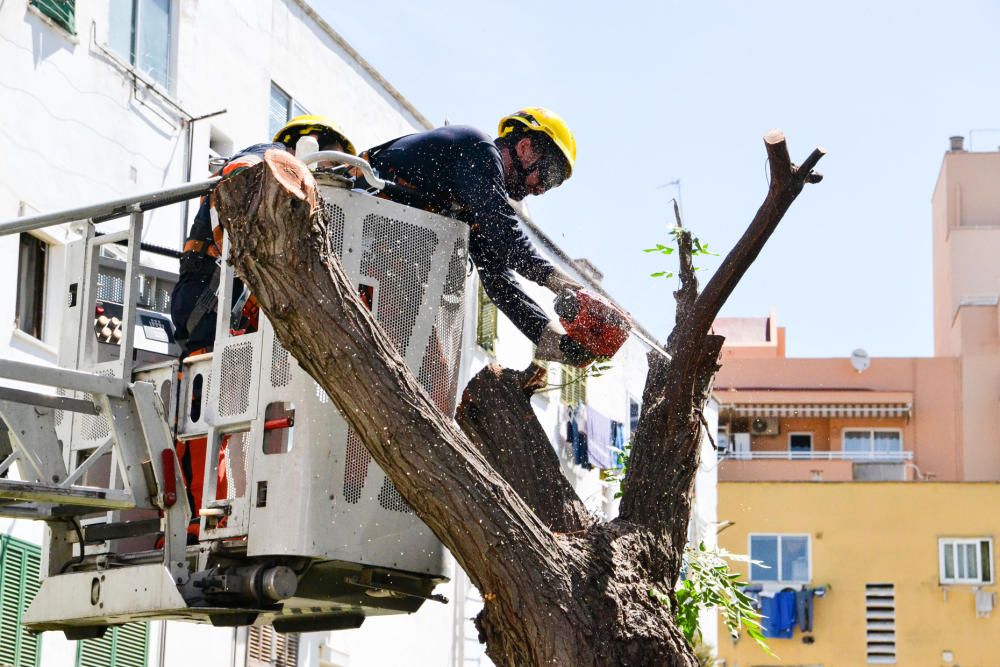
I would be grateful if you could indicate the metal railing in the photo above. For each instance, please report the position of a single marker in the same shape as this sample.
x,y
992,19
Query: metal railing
x,y
838,455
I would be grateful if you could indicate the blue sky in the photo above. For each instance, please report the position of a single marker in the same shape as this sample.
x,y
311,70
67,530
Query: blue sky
x,y
657,92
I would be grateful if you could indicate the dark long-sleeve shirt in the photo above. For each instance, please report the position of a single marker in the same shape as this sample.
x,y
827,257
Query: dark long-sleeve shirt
x,y
458,170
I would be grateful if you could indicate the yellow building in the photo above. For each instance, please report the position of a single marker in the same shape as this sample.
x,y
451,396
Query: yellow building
x,y
885,552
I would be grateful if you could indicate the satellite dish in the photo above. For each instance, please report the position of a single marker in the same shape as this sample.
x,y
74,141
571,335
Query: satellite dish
x,y
860,360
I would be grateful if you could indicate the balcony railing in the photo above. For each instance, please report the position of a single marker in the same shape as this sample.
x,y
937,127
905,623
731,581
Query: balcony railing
x,y
864,457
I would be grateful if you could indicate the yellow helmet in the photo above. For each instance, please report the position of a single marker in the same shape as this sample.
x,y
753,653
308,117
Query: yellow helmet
x,y
303,125
539,119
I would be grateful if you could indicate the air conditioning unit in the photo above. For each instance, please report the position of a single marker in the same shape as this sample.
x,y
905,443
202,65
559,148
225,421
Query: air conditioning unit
x,y
764,426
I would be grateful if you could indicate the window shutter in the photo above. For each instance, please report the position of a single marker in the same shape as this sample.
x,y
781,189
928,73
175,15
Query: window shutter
x,y
95,652
287,650
131,641
574,385
486,322
19,567
60,11
260,646
121,646
267,648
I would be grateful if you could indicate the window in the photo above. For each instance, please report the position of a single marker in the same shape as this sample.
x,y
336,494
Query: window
x,y
486,322
267,648
19,565
283,109
60,11
966,560
140,32
574,385
800,443
786,558
634,412
31,285
872,443
121,646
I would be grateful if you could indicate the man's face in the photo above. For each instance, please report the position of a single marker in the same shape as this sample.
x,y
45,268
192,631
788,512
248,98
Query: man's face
x,y
540,172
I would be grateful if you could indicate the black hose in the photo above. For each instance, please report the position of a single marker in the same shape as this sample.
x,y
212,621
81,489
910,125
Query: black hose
x,y
79,535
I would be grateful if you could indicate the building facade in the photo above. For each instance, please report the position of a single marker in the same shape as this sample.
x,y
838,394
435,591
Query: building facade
x,y
109,99
866,486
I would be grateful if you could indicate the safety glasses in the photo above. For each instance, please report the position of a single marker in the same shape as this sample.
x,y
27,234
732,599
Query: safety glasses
x,y
551,171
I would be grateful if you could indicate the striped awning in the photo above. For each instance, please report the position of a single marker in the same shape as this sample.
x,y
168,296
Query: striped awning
x,y
814,403
803,411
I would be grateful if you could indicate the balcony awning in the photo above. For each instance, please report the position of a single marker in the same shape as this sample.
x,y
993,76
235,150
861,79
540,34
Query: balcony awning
x,y
806,403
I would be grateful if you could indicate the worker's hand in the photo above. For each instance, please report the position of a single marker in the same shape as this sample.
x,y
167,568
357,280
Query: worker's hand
x,y
575,354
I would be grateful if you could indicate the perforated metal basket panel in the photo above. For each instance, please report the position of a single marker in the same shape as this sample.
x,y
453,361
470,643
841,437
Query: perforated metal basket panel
x,y
439,369
237,373
334,216
111,285
389,498
59,414
281,370
398,256
95,427
413,266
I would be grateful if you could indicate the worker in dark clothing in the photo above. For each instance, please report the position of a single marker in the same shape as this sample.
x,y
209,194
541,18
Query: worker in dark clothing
x,y
194,303
463,173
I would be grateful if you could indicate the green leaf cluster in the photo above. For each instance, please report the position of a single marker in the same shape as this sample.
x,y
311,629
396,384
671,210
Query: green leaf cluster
x,y
697,249
708,582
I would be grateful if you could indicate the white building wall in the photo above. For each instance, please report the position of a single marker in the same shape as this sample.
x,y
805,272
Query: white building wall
x,y
76,131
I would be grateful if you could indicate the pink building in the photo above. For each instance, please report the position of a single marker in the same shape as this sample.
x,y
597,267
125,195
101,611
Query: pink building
x,y
885,419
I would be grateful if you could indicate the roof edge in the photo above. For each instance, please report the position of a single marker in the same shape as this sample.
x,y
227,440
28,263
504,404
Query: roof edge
x,y
522,213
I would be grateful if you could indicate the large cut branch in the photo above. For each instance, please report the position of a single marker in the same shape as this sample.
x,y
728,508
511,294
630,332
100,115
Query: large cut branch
x,y
666,447
497,416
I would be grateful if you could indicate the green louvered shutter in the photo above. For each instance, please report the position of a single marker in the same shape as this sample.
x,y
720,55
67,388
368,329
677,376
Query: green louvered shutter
x,y
486,322
574,385
95,652
131,642
19,567
122,646
60,11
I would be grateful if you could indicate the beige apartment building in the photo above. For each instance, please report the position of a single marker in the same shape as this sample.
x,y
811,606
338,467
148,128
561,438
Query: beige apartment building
x,y
872,485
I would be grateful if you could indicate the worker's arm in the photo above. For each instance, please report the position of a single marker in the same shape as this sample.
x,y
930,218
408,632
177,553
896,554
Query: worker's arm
x,y
496,238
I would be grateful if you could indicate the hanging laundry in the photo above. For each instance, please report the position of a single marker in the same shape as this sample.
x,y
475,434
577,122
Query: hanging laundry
x,y
577,437
804,608
617,445
778,613
598,438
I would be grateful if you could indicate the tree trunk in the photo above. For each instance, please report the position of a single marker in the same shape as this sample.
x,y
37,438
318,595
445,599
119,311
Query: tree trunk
x,y
559,587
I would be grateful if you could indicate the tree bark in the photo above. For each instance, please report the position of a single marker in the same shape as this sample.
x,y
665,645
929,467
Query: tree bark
x,y
559,587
